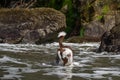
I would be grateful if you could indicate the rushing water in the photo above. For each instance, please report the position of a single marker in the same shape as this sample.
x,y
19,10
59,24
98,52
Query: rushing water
x,y
36,62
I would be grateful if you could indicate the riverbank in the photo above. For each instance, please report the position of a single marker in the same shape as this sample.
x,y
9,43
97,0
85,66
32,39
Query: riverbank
x,y
78,39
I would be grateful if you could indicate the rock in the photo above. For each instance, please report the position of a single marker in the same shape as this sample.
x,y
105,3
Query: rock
x,y
10,35
110,40
98,16
109,21
30,25
94,29
31,36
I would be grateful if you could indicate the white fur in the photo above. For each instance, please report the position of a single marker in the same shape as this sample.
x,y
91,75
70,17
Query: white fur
x,y
59,56
68,52
65,54
61,34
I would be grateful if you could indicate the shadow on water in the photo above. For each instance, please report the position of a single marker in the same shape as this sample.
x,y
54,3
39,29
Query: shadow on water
x,y
30,61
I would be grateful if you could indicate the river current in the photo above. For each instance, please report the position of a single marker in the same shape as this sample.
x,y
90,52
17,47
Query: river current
x,y
36,62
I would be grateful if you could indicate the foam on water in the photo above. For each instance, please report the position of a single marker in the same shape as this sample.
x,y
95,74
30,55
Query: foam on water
x,y
27,47
88,59
67,72
6,59
15,72
87,63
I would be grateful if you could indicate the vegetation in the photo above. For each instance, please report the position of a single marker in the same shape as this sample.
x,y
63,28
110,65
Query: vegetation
x,y
70,12
105,9
77,12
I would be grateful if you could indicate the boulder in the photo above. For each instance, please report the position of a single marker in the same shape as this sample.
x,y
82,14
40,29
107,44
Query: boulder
x,y
36,25
94,29
110,40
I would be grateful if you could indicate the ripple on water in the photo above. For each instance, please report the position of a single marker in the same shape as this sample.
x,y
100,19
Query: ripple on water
x,y
87,63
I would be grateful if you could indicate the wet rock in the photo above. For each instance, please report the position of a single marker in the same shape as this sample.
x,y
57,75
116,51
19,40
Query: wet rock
x,y
30,25
10,35
110,40
1,40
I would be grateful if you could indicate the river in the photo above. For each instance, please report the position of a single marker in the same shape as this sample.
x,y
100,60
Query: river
x,y
36,62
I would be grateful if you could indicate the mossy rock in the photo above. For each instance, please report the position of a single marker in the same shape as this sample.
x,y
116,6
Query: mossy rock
x,y
46,22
